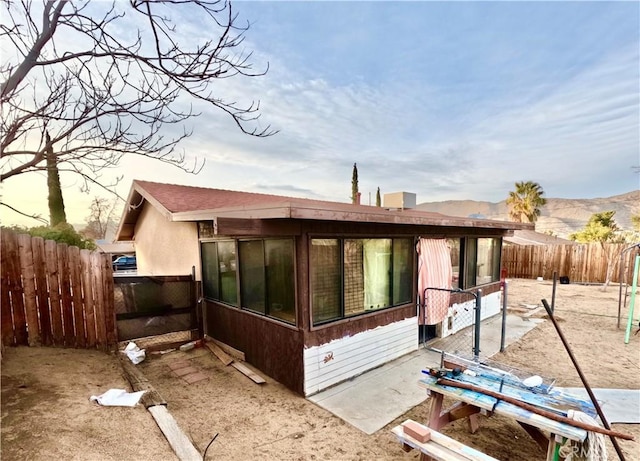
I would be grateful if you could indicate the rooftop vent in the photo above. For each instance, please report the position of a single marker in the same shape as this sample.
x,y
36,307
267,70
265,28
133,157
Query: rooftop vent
x,y
399,200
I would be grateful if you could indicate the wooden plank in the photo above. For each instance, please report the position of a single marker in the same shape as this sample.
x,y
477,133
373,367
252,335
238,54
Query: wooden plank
x,y
139,382
87,290
224,358
98,300
441,447
17,292
64,268
29,287
248,373
75,284
235,353
109,302
53,275
42,290
180,443
8,338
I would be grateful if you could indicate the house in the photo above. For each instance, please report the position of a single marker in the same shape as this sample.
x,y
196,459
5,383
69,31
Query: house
x,y
531,237
312,292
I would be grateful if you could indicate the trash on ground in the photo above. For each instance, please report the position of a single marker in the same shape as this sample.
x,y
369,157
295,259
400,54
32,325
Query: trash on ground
x,y
118,398
135,354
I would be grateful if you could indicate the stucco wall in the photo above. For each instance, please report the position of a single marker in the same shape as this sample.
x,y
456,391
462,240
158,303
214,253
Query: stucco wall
x,y
164,247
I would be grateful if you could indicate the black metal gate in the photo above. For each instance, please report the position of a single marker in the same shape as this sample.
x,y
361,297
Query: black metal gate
x,y
154,305
459,334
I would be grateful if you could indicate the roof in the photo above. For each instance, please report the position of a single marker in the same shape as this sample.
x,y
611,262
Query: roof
x,y
531,237
188,203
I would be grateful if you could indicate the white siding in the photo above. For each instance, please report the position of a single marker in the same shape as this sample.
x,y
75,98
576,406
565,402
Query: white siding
x,y
462,315
344,358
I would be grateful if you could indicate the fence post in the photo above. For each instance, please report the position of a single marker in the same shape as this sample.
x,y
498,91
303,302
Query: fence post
x,y
504,315
553,291
478,312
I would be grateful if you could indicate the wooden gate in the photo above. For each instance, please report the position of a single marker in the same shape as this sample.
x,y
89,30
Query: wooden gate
x,y
54,294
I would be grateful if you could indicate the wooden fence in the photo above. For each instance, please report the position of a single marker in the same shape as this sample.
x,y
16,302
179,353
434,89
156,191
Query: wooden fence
x,y
585,263
54,294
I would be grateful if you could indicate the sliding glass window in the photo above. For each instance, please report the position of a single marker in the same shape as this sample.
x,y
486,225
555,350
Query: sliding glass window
x,y
353,276
264,273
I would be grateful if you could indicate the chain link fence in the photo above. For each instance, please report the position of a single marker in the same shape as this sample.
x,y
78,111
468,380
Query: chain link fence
x,y
459,333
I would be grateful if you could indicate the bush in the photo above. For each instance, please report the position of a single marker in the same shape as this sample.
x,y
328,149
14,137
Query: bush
x,y
62,233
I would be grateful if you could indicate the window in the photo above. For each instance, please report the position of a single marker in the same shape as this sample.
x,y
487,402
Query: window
x,y
479,258
353,276
265,275
219,271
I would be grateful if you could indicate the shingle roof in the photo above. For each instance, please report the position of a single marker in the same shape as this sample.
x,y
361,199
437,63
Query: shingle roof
x,y
188,203
176,198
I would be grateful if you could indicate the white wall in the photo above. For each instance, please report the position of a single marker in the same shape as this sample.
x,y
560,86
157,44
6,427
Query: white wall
x,y
462,315
350,356
164,247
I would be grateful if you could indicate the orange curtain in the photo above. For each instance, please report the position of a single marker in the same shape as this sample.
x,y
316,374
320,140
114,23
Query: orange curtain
x,y
434,271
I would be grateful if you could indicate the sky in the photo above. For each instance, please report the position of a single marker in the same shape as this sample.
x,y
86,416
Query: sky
x,y
447,100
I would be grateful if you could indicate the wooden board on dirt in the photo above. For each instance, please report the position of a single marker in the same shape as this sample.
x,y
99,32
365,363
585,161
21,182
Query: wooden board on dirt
x,y
253,376
222,355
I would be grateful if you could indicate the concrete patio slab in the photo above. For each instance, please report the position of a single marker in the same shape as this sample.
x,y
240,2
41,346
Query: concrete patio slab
x,y
375,398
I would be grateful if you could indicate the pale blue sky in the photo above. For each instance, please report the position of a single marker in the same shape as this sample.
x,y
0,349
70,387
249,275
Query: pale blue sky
x,y
449,100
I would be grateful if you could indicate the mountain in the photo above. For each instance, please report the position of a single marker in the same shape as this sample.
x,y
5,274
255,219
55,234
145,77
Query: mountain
x,y
560,216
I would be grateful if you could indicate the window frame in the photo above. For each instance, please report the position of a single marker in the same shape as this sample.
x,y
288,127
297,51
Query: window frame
x,y
238,276
341,317
468,273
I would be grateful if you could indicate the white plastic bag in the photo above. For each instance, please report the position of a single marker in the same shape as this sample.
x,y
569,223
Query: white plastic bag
x,y
135,354
118,398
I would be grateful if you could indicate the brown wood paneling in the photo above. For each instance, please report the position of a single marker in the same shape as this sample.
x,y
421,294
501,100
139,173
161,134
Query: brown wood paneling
x,y
255,227
274,349
12,280
65,268
354,325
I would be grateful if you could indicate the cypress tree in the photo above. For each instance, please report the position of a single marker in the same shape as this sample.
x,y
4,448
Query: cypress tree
x,y
56,203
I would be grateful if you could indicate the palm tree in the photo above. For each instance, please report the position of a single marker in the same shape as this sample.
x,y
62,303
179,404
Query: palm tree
x,y
525,202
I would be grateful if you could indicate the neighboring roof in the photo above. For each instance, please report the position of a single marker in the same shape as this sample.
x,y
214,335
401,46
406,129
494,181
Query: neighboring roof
x,y
116,247
187,203
530,237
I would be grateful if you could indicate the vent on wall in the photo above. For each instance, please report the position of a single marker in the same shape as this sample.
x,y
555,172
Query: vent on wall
x,y
399,200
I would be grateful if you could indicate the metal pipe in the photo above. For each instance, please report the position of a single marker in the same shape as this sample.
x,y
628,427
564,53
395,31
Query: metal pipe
x,y
632,301
583,378
504,315
476,339
553,291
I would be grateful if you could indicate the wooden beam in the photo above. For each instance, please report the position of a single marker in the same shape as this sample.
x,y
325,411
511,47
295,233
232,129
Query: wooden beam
x,y
235,353
222,355
180,443
256,378
140,383
157,406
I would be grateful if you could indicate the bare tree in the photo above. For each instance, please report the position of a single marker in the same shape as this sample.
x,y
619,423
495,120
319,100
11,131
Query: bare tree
x,y
101,214
106,80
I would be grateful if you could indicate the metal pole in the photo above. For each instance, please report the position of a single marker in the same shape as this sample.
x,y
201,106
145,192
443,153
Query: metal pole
x,y
614,441
504,316
553,291
634,286
476,339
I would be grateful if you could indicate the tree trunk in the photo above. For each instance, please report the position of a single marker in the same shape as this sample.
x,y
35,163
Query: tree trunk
x,y
56,203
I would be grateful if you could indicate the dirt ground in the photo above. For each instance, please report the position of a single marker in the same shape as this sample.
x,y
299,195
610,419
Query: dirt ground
x,y
46,412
